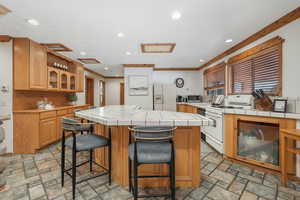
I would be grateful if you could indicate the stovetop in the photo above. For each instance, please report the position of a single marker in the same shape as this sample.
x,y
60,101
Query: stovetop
x,y
230,107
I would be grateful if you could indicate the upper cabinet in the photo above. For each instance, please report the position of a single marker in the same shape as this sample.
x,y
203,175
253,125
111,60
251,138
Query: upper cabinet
x,y
30,65
214,80
80,78
38,68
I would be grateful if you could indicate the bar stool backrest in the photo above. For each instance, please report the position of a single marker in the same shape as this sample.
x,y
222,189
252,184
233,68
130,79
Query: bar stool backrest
x,y
70,124
153,133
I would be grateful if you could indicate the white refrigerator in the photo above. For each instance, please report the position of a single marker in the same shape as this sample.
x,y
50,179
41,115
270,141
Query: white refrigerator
x,y
164,97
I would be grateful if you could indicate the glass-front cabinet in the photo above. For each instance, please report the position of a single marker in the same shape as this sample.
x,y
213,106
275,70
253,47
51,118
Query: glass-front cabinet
x,y
53,78
64,81
258,141
72,82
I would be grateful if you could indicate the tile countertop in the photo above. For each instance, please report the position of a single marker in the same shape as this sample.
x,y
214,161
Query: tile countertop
x,y
134,115
55,109
247,111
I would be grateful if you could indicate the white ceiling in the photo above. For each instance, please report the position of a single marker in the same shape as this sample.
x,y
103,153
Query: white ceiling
x,y
92,26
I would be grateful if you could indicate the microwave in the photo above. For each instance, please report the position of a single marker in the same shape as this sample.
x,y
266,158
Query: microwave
x,y
194,98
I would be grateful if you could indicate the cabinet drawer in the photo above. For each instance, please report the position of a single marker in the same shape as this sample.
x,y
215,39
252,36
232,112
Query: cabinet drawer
x,y
48,114
62,112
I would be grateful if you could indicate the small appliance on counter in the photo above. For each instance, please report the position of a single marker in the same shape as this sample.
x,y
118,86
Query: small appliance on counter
x,y
194,98
179,98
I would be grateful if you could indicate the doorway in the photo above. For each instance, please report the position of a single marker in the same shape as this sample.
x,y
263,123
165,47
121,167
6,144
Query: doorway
x,y
89,91
121,93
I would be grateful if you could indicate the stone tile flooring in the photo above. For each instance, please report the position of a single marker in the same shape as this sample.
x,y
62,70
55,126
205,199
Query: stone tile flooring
x,y
37,177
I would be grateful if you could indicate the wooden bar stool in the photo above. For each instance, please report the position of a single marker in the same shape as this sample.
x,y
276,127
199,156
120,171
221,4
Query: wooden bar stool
x,y
285,135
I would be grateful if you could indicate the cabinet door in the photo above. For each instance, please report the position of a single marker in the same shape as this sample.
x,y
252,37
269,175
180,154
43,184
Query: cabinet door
x,y
53,78
48,131
72,82
80,79
64,81
181,108
38,66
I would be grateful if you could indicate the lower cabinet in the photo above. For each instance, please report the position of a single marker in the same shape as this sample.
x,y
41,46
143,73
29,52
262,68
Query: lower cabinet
x,y
186,108
48,131
35,130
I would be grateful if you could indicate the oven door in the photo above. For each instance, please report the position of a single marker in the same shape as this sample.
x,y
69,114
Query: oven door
x,y
215,131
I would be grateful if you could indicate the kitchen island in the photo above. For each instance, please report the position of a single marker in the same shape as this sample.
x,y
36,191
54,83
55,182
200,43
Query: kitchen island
x,y
187,142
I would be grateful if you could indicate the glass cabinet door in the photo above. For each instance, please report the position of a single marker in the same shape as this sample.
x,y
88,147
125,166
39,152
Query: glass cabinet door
x,y
258,141
53,78
64,81
72,82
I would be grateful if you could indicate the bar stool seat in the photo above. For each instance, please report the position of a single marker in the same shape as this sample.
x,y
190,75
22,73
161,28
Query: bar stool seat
x,y
87,142
151,153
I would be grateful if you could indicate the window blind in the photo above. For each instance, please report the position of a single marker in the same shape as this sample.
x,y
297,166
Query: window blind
x,y
259,71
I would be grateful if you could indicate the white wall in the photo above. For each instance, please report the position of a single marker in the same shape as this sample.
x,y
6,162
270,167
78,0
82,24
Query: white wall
x,y
291,57
112,91
192,81
146,102
6,98
81,95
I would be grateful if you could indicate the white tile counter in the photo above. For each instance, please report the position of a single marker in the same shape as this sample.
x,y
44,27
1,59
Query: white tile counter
x,y
134,115
247,111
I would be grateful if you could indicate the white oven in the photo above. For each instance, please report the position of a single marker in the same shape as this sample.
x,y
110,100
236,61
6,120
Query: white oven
x,y
214,134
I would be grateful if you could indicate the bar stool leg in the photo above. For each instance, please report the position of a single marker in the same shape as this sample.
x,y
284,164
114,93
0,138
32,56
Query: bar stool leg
x,y
63,160
91,160
135,180
129,174
73,171
173,180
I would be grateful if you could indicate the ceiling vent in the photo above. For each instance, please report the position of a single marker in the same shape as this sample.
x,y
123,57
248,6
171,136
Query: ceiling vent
x,y
89,60
4,10
158,47
56,46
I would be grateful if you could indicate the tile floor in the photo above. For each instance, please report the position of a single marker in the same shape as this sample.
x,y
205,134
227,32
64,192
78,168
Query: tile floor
x,y
33,177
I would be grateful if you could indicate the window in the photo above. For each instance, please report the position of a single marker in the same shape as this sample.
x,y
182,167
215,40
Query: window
x,y
257,68
214,79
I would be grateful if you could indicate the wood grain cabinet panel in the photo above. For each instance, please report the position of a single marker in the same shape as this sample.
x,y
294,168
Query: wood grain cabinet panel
x,y
48,131
30,65
80,79
38,66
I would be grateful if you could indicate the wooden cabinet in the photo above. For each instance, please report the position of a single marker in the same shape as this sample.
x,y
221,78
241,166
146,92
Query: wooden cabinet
x,y
186,108
48,131
44,128
72,82
53,78
33,69
64,81
80,78
30,65
254,140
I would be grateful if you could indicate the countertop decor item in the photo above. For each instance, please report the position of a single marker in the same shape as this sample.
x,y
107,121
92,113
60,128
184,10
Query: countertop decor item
x,y
72,98
179,82
280,105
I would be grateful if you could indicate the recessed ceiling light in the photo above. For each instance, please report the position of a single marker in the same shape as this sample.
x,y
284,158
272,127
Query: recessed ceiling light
x,y
201,60
106,68
176,15
120,35
33,22
83,53
128,53
228,40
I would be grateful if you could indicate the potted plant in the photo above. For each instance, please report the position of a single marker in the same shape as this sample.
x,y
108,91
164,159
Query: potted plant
x,y
72,98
